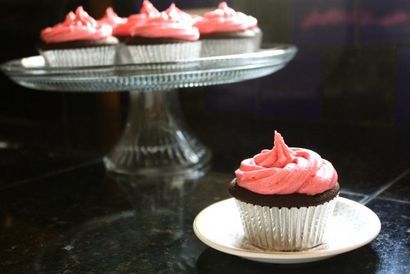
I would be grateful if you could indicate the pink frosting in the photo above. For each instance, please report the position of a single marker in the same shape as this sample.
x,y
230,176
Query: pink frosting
x,y
225,19
111,18
77,26
147,11
284,170
171,23
188,18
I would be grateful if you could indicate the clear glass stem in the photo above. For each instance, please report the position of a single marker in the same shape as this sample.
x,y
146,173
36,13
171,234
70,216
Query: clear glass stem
x,y
155,141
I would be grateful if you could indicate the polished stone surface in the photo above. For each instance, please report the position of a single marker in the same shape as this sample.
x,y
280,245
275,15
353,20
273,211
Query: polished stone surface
x,y
392,246
83,220
396,191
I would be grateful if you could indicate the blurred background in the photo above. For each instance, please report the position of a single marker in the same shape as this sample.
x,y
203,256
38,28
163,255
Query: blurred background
x,y
352,68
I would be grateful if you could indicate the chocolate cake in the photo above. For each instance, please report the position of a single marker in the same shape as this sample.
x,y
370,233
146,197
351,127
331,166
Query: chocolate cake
x,y
139,40
282,200
78,44
245,34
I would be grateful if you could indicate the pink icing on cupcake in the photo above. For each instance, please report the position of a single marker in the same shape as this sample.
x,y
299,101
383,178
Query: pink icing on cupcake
x,y
77,26
284,170
171,23
147,11
225,19
111,18
190,19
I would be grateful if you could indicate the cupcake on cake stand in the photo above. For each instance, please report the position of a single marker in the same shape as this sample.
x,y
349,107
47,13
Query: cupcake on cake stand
x,y
155,141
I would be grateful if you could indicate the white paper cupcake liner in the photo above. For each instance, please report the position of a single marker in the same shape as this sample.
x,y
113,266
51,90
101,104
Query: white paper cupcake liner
x,y
218,47
161,52
123,55
80,57
285,229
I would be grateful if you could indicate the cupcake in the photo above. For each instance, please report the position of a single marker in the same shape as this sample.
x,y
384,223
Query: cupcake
x,y
124,31
285,197
164,37
225,31
78,41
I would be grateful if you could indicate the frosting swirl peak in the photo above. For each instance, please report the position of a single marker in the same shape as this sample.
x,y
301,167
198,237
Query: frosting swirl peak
x,y
111,18
225,19
148,9
284,170
171,23
77,26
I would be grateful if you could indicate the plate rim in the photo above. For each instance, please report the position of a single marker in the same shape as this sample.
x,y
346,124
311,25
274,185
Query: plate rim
x,y
287,256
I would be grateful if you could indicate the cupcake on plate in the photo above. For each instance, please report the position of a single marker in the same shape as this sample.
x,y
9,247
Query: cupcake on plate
x,y
164,37
285,197
78,41
225,31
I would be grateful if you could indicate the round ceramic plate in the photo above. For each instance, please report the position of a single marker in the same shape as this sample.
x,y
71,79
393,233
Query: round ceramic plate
x,y
352,225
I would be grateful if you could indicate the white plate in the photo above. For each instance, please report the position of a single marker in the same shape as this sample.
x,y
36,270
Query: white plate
x,y
352,225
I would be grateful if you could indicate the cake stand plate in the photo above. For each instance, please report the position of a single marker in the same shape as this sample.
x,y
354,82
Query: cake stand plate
x,y
352,225
155,141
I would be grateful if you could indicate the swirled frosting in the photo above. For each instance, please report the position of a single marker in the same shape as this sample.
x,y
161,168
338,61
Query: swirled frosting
x,y
147,11
77,26
171,23
188,18
225,19
111,18
284,170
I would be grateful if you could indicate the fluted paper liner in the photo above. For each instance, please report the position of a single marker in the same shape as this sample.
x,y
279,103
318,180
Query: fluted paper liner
x,y
285,229
80,57
228,46
161,52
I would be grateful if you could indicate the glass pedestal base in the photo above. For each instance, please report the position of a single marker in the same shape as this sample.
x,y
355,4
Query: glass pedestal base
x,y
156,141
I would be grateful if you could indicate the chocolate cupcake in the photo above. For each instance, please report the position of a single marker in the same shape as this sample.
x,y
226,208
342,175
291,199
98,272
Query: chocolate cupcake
x,y
164,37
78,41
225,31
285,197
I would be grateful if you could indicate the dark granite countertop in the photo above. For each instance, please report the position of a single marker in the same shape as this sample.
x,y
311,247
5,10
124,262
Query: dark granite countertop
x,y
62,213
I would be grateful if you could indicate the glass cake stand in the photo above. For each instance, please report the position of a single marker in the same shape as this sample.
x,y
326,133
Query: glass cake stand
x,y
155,141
